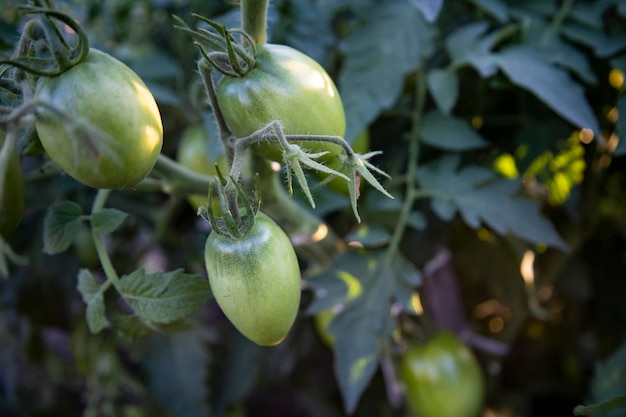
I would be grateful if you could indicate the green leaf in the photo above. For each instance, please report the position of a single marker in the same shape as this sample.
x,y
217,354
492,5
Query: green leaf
x,y
467,46
132,327
525,68
164,297
496,8
429,8
92,295
107,220
177,367
602,45
391,42
480,199
620,127
369,236
443,85
450,133
364,284
608,386
60,227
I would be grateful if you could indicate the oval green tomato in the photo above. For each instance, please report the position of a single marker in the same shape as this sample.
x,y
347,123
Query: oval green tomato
x,y
115,134
12,195
256,280
442,378
287,86
193,153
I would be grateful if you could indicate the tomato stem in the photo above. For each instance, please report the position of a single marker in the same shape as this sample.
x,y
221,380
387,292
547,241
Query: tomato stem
x,y
254,19
98,239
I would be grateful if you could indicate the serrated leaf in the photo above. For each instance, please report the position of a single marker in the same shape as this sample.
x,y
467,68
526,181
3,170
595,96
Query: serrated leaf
x,y
443,85
60,227
449,133
364,284
468,46
496,8
107,220
480,199
89,289
620,127
164,297
429,8
373,72
552,85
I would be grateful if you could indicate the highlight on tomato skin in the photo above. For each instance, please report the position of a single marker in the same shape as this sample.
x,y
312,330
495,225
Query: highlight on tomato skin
x,y
256,280
442,378
115,134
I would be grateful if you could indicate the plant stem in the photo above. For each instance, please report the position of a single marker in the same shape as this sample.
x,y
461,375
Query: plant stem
x,y
98,238
179,180
209,87
559,17
412,163
254,19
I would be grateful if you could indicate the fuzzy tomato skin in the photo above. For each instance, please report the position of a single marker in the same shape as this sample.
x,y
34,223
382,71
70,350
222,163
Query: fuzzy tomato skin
x,y
12,202
193,153
256,280
287,86
442,378
105,94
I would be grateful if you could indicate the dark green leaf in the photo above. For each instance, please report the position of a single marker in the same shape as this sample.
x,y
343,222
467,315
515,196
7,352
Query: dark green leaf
x,y
602,45
552,85
467,46
133,328
450,133
443,85
614,403
164,297
480,199
429,8
392,41
496,8
362,285
608,385
89,289
369,236
107,220
177,366
61,225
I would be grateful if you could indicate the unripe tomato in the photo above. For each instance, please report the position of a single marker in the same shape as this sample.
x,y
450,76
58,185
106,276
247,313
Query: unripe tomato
x,y
12,202
256,280
193,153
442,378
287,86
116,133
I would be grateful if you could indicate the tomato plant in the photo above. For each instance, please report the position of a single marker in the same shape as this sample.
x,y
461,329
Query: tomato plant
x,y
256,280
442,378
193,152
12,202
115,133
287,86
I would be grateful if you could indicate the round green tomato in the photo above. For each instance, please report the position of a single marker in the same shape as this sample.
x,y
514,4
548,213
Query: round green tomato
x,y
442,378
115,134
12,200
193,153
361,144
287,86
256,280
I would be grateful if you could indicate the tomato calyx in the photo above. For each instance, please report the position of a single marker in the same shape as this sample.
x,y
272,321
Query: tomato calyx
x,y
230,210
220,49
43,30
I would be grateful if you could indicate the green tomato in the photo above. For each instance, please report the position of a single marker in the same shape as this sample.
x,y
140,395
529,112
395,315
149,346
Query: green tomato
x,y
193,153
115,134
287,86
12,200
442,378
256,280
